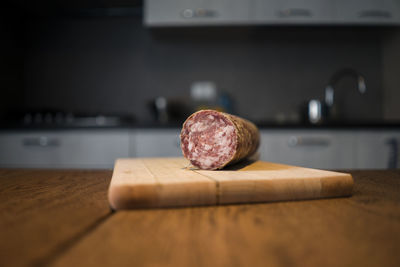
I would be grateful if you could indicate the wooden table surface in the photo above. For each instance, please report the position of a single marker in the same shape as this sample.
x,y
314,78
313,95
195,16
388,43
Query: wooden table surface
x,y
62,218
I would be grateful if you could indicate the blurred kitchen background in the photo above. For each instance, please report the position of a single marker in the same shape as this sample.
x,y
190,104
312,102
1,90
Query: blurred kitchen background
x,y
85,82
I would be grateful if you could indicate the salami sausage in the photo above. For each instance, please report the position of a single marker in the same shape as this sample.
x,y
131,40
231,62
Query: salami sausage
x,y
211,139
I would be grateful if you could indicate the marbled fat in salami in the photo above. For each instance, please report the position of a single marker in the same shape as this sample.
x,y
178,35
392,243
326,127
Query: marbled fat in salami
x,y
212,139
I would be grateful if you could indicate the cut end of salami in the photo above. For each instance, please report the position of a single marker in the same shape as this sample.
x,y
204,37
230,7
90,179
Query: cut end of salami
x,y
212,139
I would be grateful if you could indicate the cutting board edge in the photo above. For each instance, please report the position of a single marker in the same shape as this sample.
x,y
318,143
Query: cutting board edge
x,y
128,197
150,196
337,186
256,190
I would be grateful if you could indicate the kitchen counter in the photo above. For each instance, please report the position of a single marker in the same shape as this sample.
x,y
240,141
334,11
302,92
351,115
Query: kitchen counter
x,y
62,218
349,125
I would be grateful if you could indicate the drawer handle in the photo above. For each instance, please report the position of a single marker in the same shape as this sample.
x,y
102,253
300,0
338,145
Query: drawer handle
x,y
297,141
295,12
374,14
198,13
42,141
393,152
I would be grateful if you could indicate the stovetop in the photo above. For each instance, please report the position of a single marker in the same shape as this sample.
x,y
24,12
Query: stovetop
x,y
57,118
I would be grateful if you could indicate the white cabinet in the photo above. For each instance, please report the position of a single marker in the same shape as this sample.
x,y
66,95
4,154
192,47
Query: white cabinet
x,y
195,12
333,149
374,12
230,12
63,148
271,12
94,148
156,143
98,148
377,149
322,149
292,11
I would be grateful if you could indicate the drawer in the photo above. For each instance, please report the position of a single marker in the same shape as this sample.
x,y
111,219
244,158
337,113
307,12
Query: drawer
x,y
378,150
372,12
195,12
156,143
58,149
292,11
316,149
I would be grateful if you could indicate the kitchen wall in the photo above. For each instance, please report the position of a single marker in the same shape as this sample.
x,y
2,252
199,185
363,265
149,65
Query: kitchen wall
x,y
11,61
115,65
391,75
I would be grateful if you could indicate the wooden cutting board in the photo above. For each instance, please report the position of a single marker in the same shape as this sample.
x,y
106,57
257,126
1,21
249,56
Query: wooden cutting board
x,y
172,182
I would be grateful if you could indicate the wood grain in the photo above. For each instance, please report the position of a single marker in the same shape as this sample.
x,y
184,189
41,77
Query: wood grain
x,y
363,230
158,182
61,218
165,182
43,211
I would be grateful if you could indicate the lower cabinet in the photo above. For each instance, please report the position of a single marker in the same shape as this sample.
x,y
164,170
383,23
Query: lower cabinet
x,y
156,143
98,148
377,149
63,148
332,149
93,148
313,149
316,148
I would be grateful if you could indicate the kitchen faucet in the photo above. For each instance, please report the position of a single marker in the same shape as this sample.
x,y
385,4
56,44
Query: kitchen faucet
x,y
336,77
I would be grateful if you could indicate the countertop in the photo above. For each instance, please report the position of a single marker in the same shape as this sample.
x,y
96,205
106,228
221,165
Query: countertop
x,y
342,125
62,218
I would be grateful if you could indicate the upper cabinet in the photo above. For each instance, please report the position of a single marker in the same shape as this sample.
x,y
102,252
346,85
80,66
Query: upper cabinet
x,y
367,12
271,12
291,11
196,12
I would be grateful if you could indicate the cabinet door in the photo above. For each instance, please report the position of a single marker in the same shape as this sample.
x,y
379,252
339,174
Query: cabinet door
x,y
378,149
372,12
292,11
313,149
195,12
63,149
156,143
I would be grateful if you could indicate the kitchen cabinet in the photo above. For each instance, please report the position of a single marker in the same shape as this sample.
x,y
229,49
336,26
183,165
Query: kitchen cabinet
x,y
94,148
373,12
315,148
332,149
322,149
271,12
195,12
155,143
292,12
63,148
377,149
98,148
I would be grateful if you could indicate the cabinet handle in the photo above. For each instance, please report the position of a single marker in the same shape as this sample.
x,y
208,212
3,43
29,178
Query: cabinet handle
x,y
198,13
41,141
295,12
374,14
300,141
393,152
